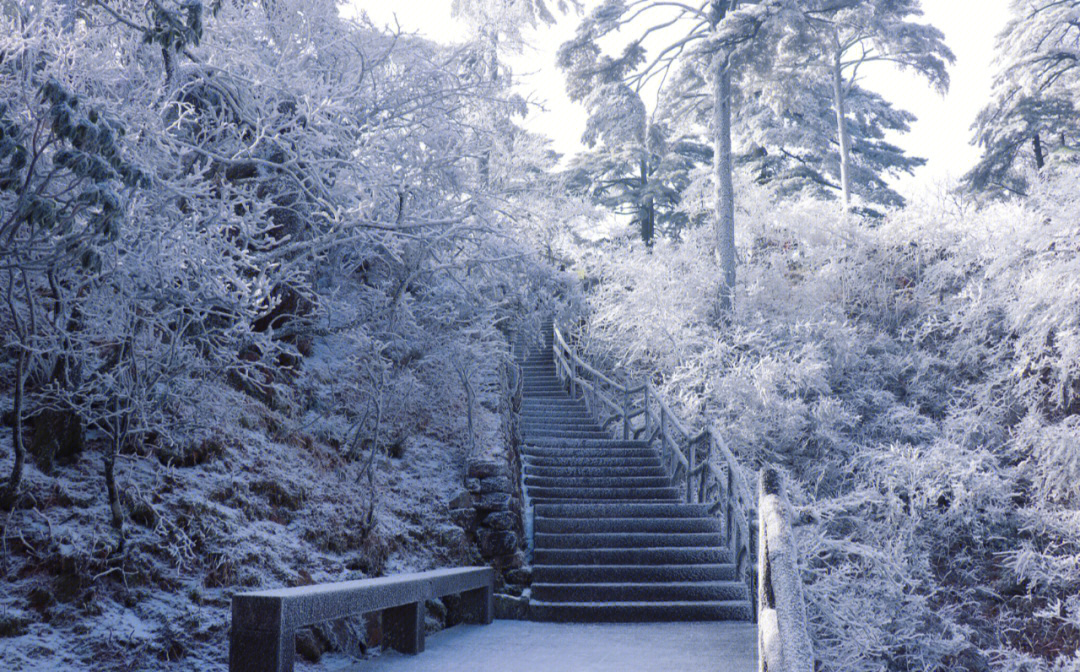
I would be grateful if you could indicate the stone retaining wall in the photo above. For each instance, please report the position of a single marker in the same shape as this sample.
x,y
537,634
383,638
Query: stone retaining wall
x,y
489,506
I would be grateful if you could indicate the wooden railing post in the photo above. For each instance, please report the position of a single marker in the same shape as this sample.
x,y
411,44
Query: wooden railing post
x,y
648,417
729,521
691,454
664,453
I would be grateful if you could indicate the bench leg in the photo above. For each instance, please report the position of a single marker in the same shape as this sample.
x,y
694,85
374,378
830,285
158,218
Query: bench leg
x,y
476,606
261,651
403,628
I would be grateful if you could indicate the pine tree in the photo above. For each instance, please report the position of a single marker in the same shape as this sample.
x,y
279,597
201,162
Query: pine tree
x,y
714,39
810,123
1035,95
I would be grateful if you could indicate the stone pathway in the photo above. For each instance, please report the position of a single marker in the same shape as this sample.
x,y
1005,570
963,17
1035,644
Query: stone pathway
x,y
523,646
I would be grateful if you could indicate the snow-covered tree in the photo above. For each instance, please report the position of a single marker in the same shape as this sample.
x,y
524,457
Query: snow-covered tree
x,y
643,179
808,122
635,167
1033,110
857,32
713,38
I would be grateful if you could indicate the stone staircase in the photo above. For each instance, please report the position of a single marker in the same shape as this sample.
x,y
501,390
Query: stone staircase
x,y
612,540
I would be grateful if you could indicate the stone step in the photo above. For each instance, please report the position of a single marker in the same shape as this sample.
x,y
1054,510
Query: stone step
x,y
586,494
565,434
630,556
538,501
624,510
557,426
638,612
530,450
552,404
632,573
544,394
595,472
595,462
656,591
597,481
576,410
565,442
544,525
629,540
540,417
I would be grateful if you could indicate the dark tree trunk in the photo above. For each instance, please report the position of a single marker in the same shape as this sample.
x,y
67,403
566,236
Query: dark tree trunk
x,y
647,210
11,492
116,510
1040,161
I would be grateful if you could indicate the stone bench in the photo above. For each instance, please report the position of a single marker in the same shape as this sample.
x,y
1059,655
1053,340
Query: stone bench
x,y
264,623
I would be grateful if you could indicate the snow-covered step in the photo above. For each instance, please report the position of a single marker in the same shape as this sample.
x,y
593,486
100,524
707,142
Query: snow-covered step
x,y
663,555
648,494
564,461
628,539
590,472
597,481
621,510
625,525
720,591
633,573
636,612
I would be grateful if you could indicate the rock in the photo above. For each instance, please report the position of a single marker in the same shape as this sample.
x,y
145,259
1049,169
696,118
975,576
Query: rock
x,y
513,589
465,519
496,484
434,616
450,535
461,500
40,598
486,469
58,438
510,608
308,645
497,542
472,485
522,576
436,608
500,520
494,501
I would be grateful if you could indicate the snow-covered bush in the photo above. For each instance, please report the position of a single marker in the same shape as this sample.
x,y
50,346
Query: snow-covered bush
x,y
918,377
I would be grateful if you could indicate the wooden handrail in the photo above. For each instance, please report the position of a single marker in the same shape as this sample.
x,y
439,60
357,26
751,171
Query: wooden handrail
x,y
783,636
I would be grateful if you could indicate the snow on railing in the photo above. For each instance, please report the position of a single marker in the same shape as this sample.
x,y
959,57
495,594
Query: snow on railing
x,y
783,638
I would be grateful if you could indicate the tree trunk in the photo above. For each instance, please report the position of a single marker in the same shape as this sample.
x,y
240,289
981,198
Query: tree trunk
x,y
646,210
116,510
722,168
1040,161
11,492
840,104
725,189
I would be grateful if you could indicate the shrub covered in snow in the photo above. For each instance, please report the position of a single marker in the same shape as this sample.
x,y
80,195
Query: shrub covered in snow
x,y
919,378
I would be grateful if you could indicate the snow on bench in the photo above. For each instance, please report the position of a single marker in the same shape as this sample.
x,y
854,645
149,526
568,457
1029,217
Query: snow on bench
x,y
264,623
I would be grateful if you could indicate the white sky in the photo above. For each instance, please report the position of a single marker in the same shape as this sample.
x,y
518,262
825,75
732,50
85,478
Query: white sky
x,y
942,134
